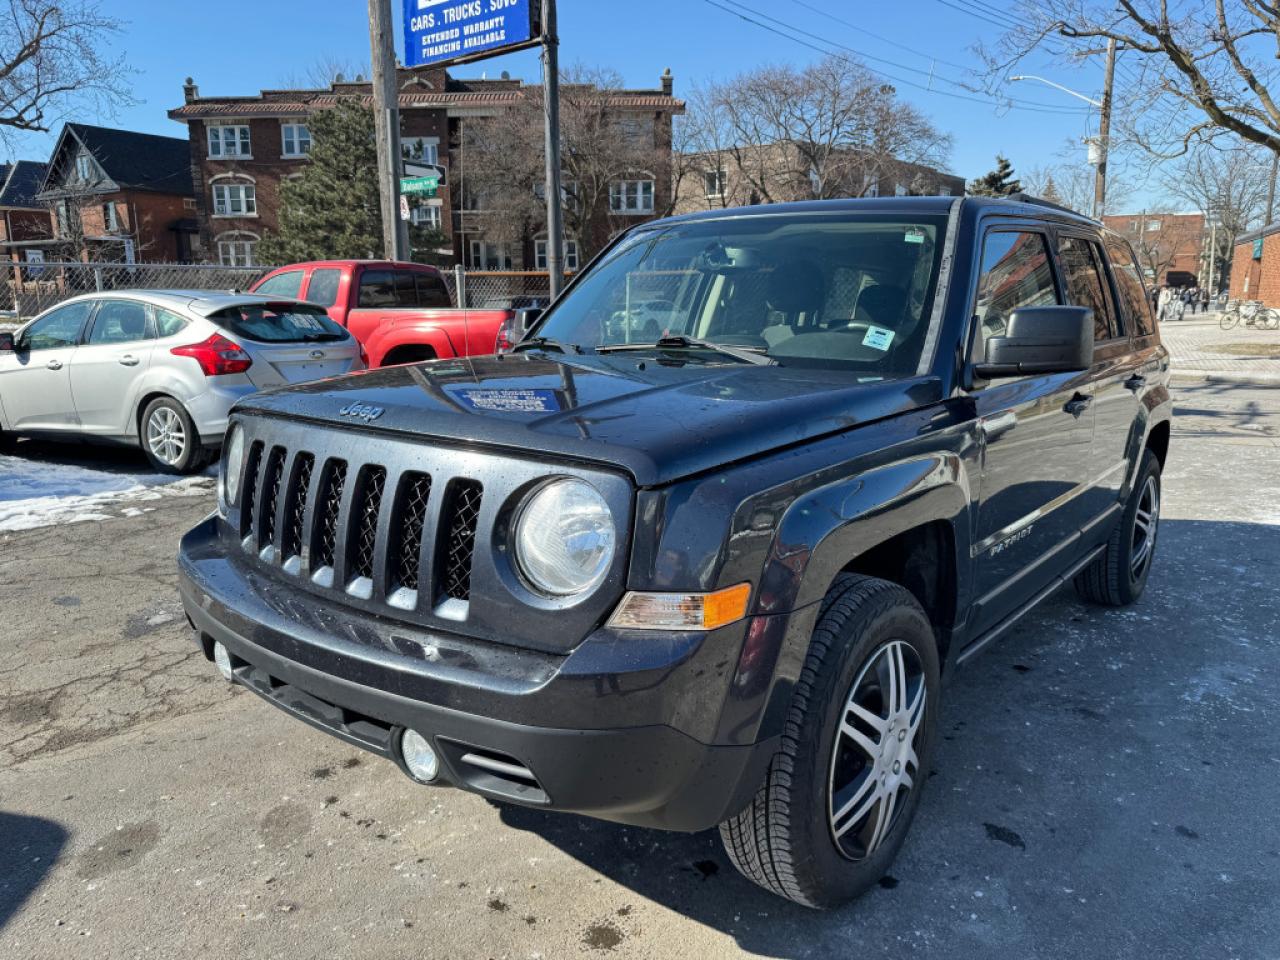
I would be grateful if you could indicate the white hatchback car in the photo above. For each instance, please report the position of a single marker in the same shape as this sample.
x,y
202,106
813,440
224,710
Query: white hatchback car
x,y
160,368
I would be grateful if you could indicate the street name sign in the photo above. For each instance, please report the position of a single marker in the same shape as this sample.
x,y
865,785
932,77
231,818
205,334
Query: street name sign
x,y
439,32
425,185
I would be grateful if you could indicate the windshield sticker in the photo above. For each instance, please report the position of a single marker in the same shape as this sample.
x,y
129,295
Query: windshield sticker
x,y
914,235
877,338
511,401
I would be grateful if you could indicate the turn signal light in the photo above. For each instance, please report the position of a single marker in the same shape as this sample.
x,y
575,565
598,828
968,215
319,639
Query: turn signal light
x,y
217,356
682,611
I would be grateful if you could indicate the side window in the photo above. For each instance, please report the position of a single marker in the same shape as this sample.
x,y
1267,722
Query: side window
x,y
282,285
119,321
1015,273
168,323
406,289
60,328
1086,286
323,288
1129,285
377,289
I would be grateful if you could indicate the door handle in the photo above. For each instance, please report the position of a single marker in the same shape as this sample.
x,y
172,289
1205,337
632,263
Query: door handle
x,y
1001,423
129,360
1135,383
1078,404
54,364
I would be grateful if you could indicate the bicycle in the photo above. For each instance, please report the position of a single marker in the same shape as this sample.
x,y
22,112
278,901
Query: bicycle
x,y
1237,310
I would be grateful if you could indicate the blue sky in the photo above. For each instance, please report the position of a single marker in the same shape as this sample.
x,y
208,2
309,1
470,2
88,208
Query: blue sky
x,y
240,46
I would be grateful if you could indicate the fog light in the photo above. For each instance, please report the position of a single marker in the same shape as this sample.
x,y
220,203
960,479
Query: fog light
x,y
419,757
222,657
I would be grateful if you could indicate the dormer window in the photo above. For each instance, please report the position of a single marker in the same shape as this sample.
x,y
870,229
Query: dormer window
x,y
84,168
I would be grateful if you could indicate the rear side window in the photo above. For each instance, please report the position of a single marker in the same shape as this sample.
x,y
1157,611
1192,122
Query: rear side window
x,y
282,285
432,293
323,288
402,288
377,289
168,323
1085,285
278,324
1133,294
119,321
1015,273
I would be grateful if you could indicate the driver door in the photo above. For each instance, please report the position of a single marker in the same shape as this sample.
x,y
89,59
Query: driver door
x,y
35,380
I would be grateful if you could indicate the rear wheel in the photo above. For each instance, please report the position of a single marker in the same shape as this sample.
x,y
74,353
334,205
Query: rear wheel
x,y
169,437
1119,574
1229,319
843,788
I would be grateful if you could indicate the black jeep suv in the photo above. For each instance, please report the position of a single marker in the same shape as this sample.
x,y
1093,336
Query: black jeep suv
x,y
699,550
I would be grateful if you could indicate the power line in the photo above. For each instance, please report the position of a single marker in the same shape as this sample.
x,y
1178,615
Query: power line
x,y
990,10
1013,103
892,43
972,13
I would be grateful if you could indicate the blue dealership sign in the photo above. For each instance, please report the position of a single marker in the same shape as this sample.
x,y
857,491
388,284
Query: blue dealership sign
x,y
453,31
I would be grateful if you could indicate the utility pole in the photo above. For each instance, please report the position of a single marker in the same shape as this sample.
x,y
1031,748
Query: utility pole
x,y
1271,189
1104,134
386,119
551,110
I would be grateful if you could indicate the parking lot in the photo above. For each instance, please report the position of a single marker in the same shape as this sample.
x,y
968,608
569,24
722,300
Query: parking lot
x,y
1106,786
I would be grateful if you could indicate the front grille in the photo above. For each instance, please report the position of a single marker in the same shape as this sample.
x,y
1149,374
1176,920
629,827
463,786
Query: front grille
x,y
330,532
463,510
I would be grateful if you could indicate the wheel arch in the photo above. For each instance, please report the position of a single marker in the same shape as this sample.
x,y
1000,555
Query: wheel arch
x,y
1158,441
384,344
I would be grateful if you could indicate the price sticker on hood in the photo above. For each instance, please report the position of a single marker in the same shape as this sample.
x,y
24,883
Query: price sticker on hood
x,y
877,338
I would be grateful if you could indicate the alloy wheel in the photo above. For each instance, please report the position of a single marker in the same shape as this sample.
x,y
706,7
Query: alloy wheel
x,y
875,761
1145,523
166,436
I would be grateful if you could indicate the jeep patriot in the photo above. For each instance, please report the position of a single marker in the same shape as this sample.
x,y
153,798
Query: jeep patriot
x,y
700,550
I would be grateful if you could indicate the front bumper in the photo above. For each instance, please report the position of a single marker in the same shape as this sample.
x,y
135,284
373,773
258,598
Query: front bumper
x,y
645,731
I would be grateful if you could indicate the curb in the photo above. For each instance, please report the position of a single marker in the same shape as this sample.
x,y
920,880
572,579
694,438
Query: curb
x,y
1226,376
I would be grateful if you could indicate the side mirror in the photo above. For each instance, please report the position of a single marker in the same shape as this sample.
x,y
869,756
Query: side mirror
x,y
526,317
6,342
1040,340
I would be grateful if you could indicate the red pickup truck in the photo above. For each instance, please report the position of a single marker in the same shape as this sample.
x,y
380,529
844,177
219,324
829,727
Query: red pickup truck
x,y
400,312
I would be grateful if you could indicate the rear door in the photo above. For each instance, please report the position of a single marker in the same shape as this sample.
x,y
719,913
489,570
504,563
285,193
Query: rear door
x,y
325,287
1036,433
109,364
35,380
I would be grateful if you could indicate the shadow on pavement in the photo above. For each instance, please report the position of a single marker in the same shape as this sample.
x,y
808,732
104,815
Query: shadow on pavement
x,y
1076,796
108,458
30,846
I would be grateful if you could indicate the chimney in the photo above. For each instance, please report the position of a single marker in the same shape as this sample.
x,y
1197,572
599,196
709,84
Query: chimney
x,y
667,81
190,91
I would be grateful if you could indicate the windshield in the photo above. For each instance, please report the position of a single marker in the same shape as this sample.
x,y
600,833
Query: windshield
x,y
279,323
849,291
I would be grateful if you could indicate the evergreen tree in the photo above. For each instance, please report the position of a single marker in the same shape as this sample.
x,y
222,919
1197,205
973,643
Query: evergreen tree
x,y
331,211
1000,182
1051,192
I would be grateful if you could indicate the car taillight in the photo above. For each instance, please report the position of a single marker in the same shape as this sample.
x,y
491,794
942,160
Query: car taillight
x,y
504,342
217,356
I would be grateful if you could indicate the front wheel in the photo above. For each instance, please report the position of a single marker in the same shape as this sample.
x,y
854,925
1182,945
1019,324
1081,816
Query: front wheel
x,y
1229,319
169,437
843,788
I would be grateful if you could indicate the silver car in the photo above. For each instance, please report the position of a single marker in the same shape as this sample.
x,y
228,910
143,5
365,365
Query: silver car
x,y
161,368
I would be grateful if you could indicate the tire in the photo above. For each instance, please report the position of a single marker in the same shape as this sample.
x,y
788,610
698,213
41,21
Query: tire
x,y
8,441
1117,577
168,437
1229,319
786,838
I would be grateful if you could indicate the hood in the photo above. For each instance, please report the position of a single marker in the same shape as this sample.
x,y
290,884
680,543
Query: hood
x,y
657,419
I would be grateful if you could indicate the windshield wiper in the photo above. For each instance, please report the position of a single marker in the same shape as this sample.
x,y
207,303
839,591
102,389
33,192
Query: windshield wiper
x,y
546,343
681,342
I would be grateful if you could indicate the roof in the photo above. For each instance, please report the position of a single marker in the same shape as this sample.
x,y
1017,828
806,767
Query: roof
x,y
1257,233
133,161
202,303
20,183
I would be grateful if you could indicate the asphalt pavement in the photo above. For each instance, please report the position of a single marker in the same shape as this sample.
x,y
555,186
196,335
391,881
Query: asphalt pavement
x,y
1106,786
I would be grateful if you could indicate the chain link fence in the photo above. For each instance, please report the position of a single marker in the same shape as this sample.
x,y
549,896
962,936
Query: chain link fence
x,y
31,288
499,290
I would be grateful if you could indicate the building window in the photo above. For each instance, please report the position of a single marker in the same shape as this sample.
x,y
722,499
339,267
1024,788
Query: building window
x,y
237,249
297,139
489,256
188,203
1153,226
714,182
84,168
229,141
428,217
568,193
63,216
421,149
540,253
109,218
235,200
631,196
637,131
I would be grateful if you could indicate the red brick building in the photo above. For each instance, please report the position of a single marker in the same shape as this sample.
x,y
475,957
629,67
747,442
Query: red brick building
x,y
24,221
242,148
118,195
1255,266
1170,246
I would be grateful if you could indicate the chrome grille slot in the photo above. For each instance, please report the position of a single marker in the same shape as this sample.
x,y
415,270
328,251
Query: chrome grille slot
x,y
462,515
249,492
296,508
361,540
412,500
328,504
270,500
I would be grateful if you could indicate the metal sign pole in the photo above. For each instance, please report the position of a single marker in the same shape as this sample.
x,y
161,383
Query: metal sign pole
x,y
386,112
551,109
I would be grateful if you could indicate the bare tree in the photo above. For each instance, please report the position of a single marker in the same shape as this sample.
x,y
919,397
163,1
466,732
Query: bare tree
x,y
324,71
52,60
1159,240
1192,72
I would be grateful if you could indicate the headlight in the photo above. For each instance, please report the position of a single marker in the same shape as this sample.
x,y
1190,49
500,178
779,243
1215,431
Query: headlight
x,y
564,538
232,463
